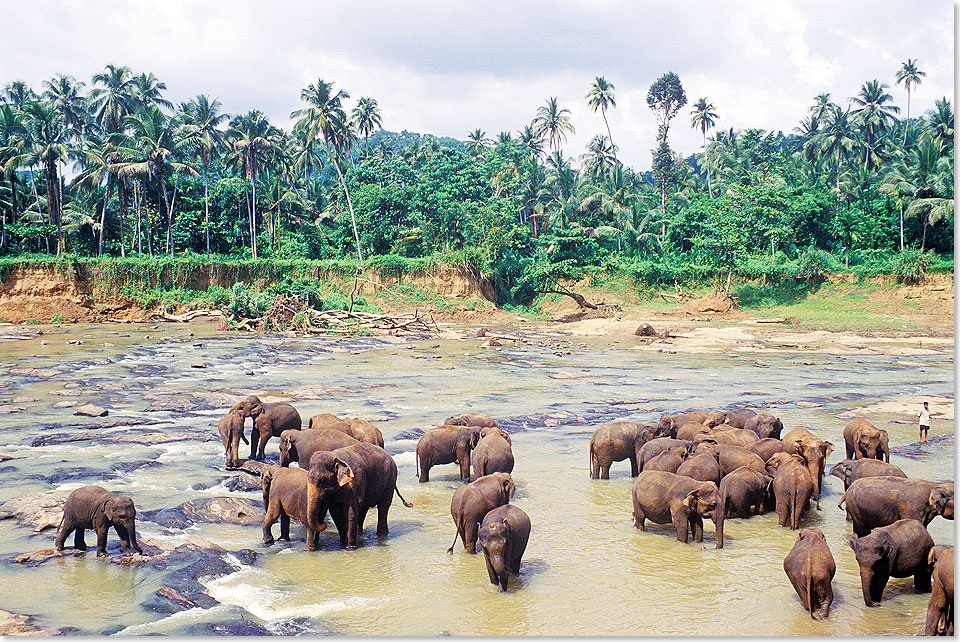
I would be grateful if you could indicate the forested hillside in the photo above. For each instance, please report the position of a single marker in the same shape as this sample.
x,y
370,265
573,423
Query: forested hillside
x,y
110,167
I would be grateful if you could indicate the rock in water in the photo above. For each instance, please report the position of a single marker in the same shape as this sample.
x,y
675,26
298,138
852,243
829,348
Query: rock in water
x,y
217,510
19,624
90,410
646,330
40,510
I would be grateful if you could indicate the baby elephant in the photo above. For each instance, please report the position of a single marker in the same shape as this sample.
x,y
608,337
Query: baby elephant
x,y
503,538
898,550
810,567
97,508
493,453
940,607
666,498
285,497
231,432
472,502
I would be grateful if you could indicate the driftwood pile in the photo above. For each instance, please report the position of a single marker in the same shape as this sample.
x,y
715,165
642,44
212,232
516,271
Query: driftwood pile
x,y
290,312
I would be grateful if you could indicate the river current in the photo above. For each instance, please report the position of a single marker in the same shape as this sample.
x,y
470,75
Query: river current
x,y
586,570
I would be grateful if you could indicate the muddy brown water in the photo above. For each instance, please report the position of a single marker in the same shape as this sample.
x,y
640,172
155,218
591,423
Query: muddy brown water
x,y
586,571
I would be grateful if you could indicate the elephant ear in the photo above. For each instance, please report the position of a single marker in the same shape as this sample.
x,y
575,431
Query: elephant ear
x,y
474,439
853,542
826,448
506,436
691,498
939,498
110,509
344,472
510,488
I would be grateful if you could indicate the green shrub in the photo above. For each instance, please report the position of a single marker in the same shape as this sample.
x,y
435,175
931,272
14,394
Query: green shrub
x,y
815,264
57,318
910,266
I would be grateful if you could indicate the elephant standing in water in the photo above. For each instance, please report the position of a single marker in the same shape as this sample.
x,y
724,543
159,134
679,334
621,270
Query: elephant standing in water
x,y
98,509
666,498
285,497
299,445
810,567
863,440
814,452
940,607
493,453
445,445
471,503
792,488
269,420
231,432
850,470
880,501
616,441
898,550
503,538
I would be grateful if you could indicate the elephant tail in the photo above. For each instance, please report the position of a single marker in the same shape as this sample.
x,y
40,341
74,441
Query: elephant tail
x,y
405,502
418,464
244,438
455,536
809,574
266,478
842,499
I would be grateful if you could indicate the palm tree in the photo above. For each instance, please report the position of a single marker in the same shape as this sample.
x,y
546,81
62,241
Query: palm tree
x,y
146,91
366,119
836,138
19,93
940,124
11,128
908,76
703,117
599,159
151,155
325,119
477,142
97,157
46,145
531,139
873,113
601,97
112,102
64,92
926,177
253,136
553,122
203,120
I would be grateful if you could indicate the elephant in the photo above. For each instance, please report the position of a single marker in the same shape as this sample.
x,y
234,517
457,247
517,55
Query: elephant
x,y
670,424
732,457
765,448
445,445
810,567
666,498
98,509
814,451
364,431
475,419
503,538
327,421
668,460
472,502
731,436
690,430
900,549
493,453
940,607
348,482
880,501
735,418
792,488
231,432
285,497
299,445
654,447
850,470
616,441
702,466
765,425
743,493
865,441
269,420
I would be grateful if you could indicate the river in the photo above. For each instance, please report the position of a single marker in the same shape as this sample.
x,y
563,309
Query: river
x,y
586,570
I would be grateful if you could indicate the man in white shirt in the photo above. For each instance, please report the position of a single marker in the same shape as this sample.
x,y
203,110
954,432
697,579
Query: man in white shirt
x,y
924,423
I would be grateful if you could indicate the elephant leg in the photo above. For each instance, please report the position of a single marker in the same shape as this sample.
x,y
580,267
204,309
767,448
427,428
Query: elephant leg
x,y
354,520
471,530
101,540
124,538
634,467
78,542
63,534
284,527
935,612
921,579
262,445
638,516
681,522
696,524
312,541
382,509
339,517
490,572
254,441
850,451
273,512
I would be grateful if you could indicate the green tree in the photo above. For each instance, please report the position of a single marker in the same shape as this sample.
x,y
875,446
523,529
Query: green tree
x,y
114,100
553,122
202,121
908,76
665,97
703,117
253,137
601,97
366,119
874,115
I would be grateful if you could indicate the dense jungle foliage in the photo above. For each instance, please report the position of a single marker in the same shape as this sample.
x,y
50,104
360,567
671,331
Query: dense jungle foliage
x,y
118,170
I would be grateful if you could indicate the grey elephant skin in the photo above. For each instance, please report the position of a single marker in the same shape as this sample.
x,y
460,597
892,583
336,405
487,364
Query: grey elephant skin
x,y
898,550
503,538
96,508
863,440
668,425
814,451
810,567
654,447
792,488
727,435
471,503
285,497
765,425
348,482
231,433
616,441
735,418
850,470
765,448
269,420
493,453
701,466
474,419
299,445
940,607
743,493
667,498
879,501
445,445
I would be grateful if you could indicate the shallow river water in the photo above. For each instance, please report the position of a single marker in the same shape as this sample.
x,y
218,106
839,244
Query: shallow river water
x,y
586,571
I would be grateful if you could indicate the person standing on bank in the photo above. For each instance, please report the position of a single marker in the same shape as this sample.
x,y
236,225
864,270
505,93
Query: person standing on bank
x,y
925,423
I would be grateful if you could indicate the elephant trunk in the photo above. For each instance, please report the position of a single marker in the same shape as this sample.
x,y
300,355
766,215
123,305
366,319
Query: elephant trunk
x,y
133,538
316,508
719,513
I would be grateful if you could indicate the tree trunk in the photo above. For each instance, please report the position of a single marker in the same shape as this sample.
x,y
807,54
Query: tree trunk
x,y
166,204
707,164
901,227
206,208
103,216
353,220
923,240
907,125
278,218
726,290
53,209
603,112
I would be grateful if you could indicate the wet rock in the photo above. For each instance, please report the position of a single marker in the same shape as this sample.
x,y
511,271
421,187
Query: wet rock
x,y
97,423
152,438
35,373
66,404
90,410
23,400
253,467
236,627
39,510
20,624
217,510
5,457
67,392
55,439
243,482
760,364
44,343
808,404
172,405
645,330
482,332
62,475
198,365
10,409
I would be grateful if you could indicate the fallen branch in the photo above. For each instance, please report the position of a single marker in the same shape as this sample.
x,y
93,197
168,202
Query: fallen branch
x,y
187,316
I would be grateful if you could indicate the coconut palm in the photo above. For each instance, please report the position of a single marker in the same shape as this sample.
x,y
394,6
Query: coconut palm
x,y
477,142
202,123
366,119
11,128
252,137
926,178
531,139
908,76
940,124
96,158
18,93
873,114
147,90
703,117
601,97
112,102
599,158
553,122
836,138
64,92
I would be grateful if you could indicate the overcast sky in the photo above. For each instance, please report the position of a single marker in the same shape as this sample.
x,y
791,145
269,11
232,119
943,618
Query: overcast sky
x,y
448,67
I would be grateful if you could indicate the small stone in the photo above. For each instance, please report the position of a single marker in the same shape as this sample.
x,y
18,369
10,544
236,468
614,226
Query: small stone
x,y
24,400
90,410
809,363
44,343
66,404
198,365
249,373
760,364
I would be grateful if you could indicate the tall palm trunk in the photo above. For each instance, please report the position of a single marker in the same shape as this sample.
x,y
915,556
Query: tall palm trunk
x,y
907,125
353,219
53,200
166,203
706,162
901,226
206,207
103,216
603,112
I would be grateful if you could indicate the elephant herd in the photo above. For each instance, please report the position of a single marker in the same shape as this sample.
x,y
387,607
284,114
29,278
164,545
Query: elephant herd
x,y
726,464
